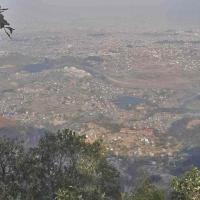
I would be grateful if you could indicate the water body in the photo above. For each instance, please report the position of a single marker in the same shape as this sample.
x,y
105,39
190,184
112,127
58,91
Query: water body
x,y
38,67
125,102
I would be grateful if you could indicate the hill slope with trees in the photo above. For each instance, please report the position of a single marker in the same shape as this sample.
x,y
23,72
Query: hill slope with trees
x,y
64,166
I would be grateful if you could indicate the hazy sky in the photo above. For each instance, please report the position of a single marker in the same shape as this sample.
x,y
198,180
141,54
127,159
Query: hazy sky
x,y
104,2
88,2
46,13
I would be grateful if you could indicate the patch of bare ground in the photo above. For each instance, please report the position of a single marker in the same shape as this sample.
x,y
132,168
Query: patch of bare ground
x,y
4,122
130,142
191,124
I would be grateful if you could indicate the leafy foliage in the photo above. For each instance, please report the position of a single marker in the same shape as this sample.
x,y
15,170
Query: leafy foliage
x,y
4,23
11,156
81,194
63,166
187,187
145,191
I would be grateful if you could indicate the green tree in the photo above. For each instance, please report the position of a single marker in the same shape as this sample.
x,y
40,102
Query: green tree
x,y
187,187
80,194
145,191
11,156
63,166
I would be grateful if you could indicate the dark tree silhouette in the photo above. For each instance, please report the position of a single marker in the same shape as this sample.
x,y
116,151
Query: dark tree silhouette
x,y
4,23
63,166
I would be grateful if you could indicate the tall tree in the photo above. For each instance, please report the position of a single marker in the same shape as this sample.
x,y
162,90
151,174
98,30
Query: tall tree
x,y
63,166
11,155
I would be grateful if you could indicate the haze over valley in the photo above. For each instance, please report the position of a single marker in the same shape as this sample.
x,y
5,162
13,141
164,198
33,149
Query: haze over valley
x,y
126,72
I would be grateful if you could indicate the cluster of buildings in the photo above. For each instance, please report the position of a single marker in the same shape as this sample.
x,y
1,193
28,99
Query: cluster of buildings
x,y
102,68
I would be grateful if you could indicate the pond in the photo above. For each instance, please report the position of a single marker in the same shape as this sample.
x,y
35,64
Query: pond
x,y
38,67
125,102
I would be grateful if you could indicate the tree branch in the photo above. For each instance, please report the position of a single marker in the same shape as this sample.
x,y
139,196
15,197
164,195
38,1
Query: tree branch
x,y
4,23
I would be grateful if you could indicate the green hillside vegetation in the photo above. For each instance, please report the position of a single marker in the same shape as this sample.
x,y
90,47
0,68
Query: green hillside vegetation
x,y
187,187
63,166
61,163
144,191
